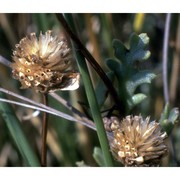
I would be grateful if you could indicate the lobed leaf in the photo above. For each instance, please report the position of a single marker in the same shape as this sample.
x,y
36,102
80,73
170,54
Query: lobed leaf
x,y
119,49
125,71
138,79
137,51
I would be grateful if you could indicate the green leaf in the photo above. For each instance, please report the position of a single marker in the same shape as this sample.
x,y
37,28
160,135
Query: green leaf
x,y
145,39
165,113
167,126
114,65
138,79
98,156
17,133
135,42
169,118
173,115
137,49
125,70
136,99
119,49
138,41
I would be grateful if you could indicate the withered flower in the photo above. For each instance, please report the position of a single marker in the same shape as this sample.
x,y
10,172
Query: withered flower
x,y
44,64
111,123
138,142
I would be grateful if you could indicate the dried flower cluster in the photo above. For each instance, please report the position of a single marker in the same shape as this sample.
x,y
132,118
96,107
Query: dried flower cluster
x,y
111,123
43,64
138,142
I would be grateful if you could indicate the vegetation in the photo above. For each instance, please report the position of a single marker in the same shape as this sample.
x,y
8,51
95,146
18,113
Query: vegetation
x,y
128,65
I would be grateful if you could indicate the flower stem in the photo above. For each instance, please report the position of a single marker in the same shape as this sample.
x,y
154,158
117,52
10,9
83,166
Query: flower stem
x,y
85,53
91,98
165,57
44,133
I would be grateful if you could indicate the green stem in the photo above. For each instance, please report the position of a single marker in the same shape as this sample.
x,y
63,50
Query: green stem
x,y
85,53
92,99
107,32
40,19
17,133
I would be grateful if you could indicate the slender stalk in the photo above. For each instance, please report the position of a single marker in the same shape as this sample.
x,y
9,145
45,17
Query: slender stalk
x,y
85,53
4,61
175,67
44,133
165,57
165,76
91,97
106,20
47,109
69,106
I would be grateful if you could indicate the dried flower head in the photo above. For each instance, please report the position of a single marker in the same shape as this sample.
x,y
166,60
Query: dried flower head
x,y
138,142
43,64
111,124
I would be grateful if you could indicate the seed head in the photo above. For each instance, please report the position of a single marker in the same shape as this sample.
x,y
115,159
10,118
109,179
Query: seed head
x,y
138,142
44,64
111,124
